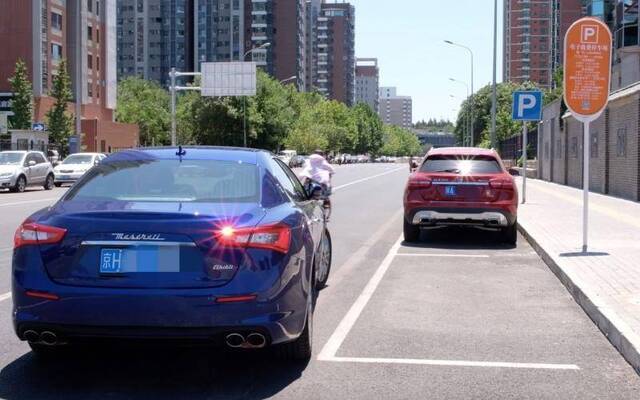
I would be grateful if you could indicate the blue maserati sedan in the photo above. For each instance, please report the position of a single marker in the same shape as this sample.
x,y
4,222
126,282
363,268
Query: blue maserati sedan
x,y
206,244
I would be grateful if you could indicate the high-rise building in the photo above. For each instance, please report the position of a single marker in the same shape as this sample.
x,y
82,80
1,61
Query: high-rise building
x,y
313,8
334,59
282,24
395,110
83,32
368,82
534,38
156,35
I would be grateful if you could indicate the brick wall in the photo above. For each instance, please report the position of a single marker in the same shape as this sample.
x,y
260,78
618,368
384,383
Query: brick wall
x,y
107,137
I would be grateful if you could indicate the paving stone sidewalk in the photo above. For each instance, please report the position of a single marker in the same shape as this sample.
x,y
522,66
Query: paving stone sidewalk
x,y
606,280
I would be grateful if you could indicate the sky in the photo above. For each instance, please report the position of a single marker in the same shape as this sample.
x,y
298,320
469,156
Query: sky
x,y
407,37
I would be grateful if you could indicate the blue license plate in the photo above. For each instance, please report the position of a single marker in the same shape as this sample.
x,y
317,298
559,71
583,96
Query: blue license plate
x,y
450,191
111,261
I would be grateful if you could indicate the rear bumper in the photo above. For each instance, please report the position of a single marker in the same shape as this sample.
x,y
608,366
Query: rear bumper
x,y
480,217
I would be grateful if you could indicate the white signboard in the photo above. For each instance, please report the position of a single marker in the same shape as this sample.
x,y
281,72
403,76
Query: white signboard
x,y
228,79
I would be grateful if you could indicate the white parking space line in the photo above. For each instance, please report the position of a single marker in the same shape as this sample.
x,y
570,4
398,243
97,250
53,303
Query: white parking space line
x,y
455,363
5,296
330,349
442,255
367,179
19,203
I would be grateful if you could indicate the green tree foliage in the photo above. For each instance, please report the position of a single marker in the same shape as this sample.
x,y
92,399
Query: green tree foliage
x,y
400,142
434,125
369,134
22,102
59,120
146,104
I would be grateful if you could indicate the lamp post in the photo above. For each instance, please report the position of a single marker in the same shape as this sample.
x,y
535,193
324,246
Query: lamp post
x,y
291,78
472,91
495,68
244,98
468,138
465,128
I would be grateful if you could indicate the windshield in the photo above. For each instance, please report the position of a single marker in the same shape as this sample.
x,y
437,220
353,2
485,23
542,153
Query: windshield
x,y
461,165
78,159
170,181
11,158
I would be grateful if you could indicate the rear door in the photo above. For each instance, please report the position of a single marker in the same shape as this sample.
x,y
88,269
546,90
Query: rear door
x,y
31,170
42,167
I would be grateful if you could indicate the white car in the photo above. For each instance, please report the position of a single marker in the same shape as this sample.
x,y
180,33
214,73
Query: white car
x,y
74,166
20,169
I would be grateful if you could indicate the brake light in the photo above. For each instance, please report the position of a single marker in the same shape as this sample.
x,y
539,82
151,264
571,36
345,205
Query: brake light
x,y
32,233
504,184
236,299
42,295
419,182
271,237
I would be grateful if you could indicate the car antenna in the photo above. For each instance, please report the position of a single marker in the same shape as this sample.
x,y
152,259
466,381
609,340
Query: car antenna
x,y
181,152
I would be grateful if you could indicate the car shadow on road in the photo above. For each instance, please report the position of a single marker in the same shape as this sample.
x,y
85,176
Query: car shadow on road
x,y
454,238
149,373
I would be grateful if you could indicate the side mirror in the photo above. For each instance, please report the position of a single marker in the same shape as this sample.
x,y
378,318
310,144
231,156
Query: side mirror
x,y
31,163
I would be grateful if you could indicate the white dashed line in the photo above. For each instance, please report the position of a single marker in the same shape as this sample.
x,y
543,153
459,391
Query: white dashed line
x,y
367,179
19,203
5,296
442,255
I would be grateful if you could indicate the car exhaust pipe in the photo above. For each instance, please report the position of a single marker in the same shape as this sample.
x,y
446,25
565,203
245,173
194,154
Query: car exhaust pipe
x,y
256,340
31,336
234,340
48,338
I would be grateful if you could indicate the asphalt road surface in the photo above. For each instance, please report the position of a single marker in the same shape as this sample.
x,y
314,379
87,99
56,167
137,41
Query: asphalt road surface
x,y
456,317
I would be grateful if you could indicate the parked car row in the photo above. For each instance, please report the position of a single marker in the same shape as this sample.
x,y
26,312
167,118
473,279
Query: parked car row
x,y
22,169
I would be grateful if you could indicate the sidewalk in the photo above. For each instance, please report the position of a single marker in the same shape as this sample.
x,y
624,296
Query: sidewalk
x,y
605,281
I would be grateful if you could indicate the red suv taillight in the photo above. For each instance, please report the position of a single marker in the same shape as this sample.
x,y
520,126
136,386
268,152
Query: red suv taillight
x,y
503,184
32,233
271,237
419,182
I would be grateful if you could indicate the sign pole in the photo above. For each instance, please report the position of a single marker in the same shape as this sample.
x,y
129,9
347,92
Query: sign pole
x,y
524,161
173,106
585,187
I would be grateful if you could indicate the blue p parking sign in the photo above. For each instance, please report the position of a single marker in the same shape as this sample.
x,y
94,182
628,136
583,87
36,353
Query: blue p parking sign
x,y
527,105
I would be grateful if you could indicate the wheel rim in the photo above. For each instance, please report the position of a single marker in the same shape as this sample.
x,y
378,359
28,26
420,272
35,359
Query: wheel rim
x,y
49,181
325,258
21,184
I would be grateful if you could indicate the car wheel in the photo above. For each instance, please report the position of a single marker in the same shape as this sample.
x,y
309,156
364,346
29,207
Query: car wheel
x,y
323,261
300,349
510,234
58,184
48,183
21,184
411,232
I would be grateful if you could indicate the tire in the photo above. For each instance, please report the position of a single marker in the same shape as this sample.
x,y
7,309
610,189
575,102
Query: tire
x,y
21,184
58,184
411,232
510,234
324,256
301,349
49,182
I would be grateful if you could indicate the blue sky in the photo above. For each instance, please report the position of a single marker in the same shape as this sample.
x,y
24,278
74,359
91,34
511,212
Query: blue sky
x,y
407,38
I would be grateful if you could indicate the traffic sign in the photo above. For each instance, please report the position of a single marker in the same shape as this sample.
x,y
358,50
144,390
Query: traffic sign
x,y
228,79
527,105
38,127
587,68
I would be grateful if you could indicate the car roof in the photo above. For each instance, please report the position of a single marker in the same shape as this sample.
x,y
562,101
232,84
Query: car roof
x,y
249,156
462,151
84,154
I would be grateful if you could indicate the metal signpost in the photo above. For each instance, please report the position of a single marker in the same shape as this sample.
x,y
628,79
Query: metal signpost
x,y
527,106
219,79
587,79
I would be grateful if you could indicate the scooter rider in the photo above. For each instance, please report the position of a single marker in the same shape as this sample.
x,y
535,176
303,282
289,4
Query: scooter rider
x,y
318,170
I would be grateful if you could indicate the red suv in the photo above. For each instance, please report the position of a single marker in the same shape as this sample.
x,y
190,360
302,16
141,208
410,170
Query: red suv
x,y
461,186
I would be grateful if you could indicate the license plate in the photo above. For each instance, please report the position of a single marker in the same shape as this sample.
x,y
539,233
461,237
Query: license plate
x,y
111,261
450,191
63,177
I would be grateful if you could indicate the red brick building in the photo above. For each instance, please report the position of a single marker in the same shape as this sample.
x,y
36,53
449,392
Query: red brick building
x,y
42,33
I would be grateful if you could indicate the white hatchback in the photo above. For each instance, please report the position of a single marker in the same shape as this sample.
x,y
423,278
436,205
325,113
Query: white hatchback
x,y
74,166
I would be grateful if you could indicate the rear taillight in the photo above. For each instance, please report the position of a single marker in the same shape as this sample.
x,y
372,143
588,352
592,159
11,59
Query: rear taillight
x,y
271,237
32,233
419,182
503,184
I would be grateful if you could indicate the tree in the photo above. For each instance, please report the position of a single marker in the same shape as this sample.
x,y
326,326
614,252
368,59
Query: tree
x,y
370,133
146,104
60,122
400,142
22,102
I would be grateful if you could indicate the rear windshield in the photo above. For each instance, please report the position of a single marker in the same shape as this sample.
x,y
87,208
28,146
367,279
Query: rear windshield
x,y
463,165
78,159
170,181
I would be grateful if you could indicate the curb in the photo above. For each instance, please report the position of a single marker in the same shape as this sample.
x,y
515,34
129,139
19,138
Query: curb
x,y
613,331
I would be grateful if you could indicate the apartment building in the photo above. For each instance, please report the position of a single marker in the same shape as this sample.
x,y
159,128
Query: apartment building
x,y
368,82
334,58
395,110
42,33
534,38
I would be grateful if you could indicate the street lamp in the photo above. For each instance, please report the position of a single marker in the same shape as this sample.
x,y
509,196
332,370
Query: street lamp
x,y
465,125
472,91
244,98
468,137
292,78
495,68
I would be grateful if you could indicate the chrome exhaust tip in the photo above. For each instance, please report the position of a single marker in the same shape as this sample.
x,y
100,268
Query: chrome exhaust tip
x,y
256,340
234,340
48,338
31,336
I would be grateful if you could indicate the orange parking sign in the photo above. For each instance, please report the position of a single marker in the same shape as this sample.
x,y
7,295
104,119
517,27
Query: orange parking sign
x,y
587,68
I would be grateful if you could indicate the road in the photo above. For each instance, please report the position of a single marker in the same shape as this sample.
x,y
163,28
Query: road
x,y
456,317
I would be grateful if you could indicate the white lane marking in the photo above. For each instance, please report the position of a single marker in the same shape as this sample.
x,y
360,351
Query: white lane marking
x,y
454,363
19,203
367,179
339,335
5,296
442,255
6,249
